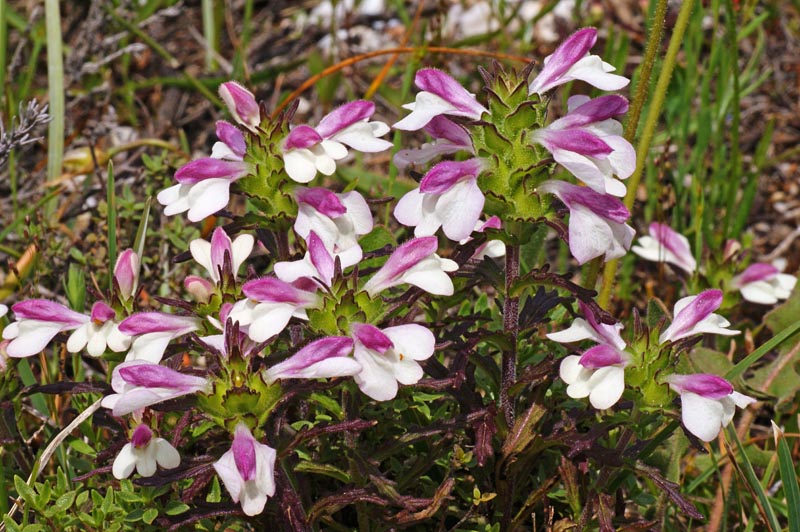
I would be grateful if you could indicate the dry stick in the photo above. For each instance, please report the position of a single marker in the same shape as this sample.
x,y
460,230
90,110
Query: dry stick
x,y
749,415
48,453
373,87
401,50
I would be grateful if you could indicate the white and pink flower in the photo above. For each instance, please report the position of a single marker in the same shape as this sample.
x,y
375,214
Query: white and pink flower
x,y
666,245
596,221
598,374
440,95
708,403
571,61
415,262
448,197
589,143
324,358
247,470
764,284
144,453
308,150
390,356
211,255
140,384
153,331
695,315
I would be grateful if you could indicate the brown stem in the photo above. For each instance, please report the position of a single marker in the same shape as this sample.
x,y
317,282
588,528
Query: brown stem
x,y
511,329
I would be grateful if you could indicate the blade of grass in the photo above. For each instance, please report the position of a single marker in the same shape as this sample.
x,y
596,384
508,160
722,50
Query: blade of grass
x,y
791,490
745,468
55,92
209,33
111,220
141,231
765,348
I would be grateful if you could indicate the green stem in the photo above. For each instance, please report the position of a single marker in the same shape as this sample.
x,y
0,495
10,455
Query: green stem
x,y
651,121
55,93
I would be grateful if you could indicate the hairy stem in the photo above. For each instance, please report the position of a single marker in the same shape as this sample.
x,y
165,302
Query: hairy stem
x,y
511,329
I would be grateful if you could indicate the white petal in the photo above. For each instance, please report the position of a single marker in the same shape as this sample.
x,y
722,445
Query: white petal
x,y
701,416
589,235
32,336
361,136
146,462
124,463
207,197
431,279
79,338
252,498
759,292
269,319
607,386
241,247
201,253
582,167
166,455
570,370
460,208
333,150
376,378
358,212
300,165
149,347
228,472
411,340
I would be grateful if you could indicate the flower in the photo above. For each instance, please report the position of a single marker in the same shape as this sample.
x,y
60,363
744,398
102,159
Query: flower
x,y
337,219
390,356
596,221
666,245
440,95
764,283
415,262
154,331
707,403
211,255
598,374
588,142
144,453
248,471
571,61
37,322
126,273
99,332
317,264
308,150
590,329
448,136
448,197
694,315
139,383
323,358
492,248
204,184
269,306
241,103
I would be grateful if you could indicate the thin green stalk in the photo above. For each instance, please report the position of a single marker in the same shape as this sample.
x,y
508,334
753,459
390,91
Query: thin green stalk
x,y
209,33
651,121
111,205
734,178
3,42
55,90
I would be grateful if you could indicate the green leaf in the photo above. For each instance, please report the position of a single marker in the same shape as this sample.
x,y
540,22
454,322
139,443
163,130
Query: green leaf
x,y
150,515
82,447
791,489
175,508
25,491
322,469
745,468
379,237
11,525
34,528
64,502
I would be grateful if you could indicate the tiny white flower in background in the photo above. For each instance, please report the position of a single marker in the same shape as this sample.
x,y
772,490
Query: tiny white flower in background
x,y
764,283
598,374
144,453
707,403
